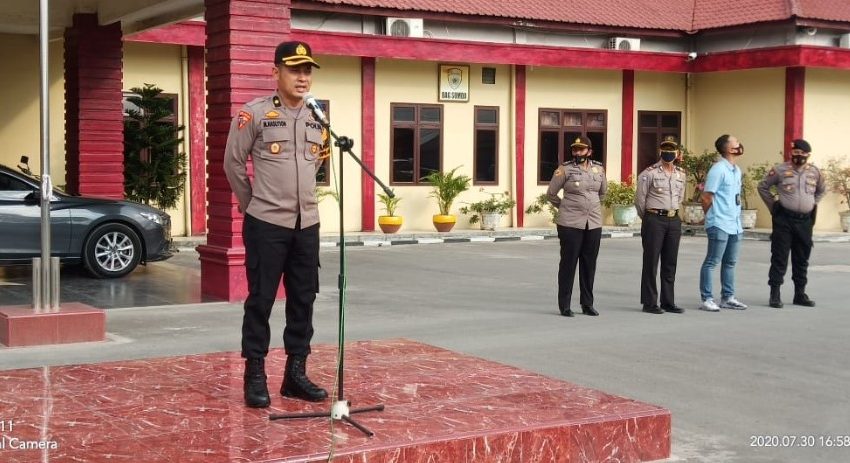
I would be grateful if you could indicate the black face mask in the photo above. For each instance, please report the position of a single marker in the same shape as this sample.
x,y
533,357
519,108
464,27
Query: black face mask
x,y
580,159
799,160
668,156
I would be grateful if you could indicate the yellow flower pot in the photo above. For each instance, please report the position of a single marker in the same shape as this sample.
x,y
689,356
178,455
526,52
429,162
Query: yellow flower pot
x,y
389,223
444,223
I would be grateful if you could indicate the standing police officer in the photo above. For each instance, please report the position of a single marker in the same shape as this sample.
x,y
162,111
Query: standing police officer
x,y
281,228
800,186
660,192
579,223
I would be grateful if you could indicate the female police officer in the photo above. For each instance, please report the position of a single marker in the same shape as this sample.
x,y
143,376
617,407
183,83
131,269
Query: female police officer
x,y
579,223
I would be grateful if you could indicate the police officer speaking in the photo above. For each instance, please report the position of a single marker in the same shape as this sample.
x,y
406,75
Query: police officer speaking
x,y
800,186
660,192
281,227
579,223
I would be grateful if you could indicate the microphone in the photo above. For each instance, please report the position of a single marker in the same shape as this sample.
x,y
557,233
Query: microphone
x,y
314,106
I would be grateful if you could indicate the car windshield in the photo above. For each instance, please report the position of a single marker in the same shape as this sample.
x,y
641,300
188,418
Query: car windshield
x,y
24,171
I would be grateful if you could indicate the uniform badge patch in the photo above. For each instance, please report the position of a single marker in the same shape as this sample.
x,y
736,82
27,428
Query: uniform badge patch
x,y
788,173
558,172
243,118
274,148
314,149
272,115
595,170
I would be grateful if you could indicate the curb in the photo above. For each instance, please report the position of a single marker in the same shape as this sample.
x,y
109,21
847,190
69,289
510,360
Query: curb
x,y
378,239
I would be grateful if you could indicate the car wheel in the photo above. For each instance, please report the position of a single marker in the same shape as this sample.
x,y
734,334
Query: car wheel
x,y
112,251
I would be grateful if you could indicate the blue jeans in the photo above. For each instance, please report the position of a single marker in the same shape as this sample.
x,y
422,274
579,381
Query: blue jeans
x,y
725,247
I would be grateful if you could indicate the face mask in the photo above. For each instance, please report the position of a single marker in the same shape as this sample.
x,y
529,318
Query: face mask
x,y
799,160
578,159
668,156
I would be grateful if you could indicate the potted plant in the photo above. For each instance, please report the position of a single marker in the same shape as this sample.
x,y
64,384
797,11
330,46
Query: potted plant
x,y
540,204
696,166
750,179
446,188
389,223
838,181
620,198
489,211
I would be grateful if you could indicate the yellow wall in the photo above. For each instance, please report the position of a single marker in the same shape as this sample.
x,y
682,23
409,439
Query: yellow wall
x,y
826,119
338,81
568,89
748,104
656,91
416,82
20,132
163,66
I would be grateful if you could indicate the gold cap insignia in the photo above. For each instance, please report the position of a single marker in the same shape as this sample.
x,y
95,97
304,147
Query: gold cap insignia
x,y
300,50
578,140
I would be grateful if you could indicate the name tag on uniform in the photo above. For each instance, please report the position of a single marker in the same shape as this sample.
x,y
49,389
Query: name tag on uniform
x,y
313,125
267,124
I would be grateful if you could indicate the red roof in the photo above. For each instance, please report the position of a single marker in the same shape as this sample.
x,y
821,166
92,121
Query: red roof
x,y
680,15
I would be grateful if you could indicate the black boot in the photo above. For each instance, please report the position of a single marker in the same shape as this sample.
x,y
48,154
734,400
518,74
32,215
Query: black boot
x,y
566,312
775,298
295,381
801,298
256,391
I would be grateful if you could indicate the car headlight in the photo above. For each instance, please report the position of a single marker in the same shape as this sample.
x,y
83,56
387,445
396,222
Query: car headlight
x,y
153,217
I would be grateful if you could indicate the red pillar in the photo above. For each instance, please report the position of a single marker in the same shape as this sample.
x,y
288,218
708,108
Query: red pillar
x,y
197,145
94,124
241,38
519,94
795,86
628,124
367,92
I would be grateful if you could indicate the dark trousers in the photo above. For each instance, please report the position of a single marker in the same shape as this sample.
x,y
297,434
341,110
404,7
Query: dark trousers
x,y
582,247
791,232
660,236
271,250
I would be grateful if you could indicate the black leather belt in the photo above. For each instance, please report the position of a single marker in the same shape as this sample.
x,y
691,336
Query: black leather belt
x,y
795,215
664,212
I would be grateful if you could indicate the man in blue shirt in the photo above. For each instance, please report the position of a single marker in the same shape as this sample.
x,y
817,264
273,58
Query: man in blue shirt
x,y
721,200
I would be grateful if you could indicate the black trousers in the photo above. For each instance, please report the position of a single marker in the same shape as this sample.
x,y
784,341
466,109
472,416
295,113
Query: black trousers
x,y
660,236
791,232
577,247
271,250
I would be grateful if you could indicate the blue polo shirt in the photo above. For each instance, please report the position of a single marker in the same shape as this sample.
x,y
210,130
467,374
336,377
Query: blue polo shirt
x,y
724,180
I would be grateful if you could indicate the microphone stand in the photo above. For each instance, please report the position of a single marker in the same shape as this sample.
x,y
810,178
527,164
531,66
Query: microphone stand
x,y
341,409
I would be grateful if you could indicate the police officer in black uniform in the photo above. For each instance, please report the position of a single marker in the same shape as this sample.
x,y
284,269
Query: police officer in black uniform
x,y
579,223
800,186
660,192
281,228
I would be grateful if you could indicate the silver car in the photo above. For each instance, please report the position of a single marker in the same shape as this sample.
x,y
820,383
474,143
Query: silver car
x,y
109,237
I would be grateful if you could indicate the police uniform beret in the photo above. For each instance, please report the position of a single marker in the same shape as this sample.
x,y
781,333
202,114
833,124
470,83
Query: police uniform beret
x,y
802,145
581,142
669,142
294,54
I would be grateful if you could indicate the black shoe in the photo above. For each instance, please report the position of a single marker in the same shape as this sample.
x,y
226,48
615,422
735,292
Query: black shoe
x,y
775,298
566,312
295,381
803,299
653,309
589,310
673,309
254,384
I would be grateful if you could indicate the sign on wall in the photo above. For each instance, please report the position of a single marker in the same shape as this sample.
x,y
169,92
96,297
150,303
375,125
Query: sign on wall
x,y
454,83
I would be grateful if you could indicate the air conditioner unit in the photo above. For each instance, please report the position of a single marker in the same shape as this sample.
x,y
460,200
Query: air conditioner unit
x,y
844,41
622,43
405,27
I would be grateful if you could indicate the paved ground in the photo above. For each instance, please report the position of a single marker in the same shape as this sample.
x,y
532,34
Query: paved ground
x,y
727,377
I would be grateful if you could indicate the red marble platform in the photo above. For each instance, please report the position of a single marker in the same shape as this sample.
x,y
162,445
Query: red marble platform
x,y
441,406
73,322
